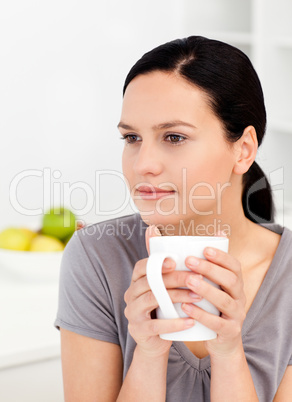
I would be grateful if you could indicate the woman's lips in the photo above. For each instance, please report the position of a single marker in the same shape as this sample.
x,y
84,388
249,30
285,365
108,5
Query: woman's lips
x,y
153,193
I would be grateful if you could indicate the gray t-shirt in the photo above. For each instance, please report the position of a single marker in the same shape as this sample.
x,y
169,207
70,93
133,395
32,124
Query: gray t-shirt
x,y
96,271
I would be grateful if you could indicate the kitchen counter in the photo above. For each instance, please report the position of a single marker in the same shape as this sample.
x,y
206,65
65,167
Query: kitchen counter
x,y
29,343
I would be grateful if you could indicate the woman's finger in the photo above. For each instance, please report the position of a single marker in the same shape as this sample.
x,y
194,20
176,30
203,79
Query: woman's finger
x,y
156,326
225,328
229,281
226,304
211,321
223,259
140,268
147,302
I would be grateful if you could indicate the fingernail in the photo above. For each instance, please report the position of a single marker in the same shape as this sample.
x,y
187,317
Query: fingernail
x,y
195,280
189,322
167,264
193,261
157,231
210,251
186,307
195,296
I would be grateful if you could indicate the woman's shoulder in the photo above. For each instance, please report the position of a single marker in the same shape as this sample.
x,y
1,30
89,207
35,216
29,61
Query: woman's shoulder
x,y
284,251
278,238
117,236
277,241
125,227
280,234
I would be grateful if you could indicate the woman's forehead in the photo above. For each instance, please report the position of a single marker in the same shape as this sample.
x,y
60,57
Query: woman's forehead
x,y
164,97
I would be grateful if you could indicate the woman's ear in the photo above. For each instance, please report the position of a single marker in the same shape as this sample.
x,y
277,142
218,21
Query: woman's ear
x,y
246,150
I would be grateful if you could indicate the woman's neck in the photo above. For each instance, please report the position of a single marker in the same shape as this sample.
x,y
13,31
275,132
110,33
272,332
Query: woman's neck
x,y
235,226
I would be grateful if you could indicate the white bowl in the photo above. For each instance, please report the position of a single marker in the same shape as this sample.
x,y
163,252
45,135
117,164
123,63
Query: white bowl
x,y
31,266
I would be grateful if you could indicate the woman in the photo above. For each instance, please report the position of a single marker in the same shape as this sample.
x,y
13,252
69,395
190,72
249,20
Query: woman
x,y
192,119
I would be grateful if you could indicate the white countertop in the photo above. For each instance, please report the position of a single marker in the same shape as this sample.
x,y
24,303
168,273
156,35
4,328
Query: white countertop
x,y
27,314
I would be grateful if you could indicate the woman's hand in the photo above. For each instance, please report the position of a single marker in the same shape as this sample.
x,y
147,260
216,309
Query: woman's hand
x,y
140,302
224,270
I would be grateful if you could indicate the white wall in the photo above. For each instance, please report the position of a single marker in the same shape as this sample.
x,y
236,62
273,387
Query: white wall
x,y
63,64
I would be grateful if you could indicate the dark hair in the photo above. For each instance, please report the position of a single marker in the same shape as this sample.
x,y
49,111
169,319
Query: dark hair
x,y
235,95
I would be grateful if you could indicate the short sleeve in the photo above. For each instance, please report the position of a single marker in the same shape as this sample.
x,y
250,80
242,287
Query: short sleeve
x,y
290,361
85,304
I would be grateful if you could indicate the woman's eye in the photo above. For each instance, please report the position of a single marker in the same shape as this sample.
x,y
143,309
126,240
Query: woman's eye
x,y
129,138
174,138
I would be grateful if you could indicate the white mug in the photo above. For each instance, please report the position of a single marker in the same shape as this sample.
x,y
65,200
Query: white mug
x,y
179,248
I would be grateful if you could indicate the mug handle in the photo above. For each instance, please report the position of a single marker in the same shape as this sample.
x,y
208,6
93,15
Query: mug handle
x,y
155,281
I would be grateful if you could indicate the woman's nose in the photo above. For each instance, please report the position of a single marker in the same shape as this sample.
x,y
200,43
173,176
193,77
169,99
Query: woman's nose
x,y
148,160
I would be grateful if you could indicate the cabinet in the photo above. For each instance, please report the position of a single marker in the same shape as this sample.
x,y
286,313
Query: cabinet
x,y
263,30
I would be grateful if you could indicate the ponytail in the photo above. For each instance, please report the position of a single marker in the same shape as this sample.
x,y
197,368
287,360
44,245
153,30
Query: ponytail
x,y
257,198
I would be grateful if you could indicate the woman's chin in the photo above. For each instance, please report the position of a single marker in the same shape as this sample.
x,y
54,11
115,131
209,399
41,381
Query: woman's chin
x,y
168,223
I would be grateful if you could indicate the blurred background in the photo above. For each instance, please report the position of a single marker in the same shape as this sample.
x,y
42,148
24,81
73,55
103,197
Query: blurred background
x,y
63,64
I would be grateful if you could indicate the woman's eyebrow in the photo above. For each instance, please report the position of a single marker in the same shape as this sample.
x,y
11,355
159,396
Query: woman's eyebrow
x,y
169,124
125,126
172,124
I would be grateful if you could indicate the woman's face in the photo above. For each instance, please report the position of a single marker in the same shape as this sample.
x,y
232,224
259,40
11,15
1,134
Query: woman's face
x,y
176,160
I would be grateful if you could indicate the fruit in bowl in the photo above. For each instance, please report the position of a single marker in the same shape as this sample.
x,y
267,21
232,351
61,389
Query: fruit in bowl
x,y
36,255
16,238
59,223
46,243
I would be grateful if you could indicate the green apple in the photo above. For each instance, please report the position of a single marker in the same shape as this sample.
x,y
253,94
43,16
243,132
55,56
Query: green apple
x,y
59,223
15,239
46,243
66,240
